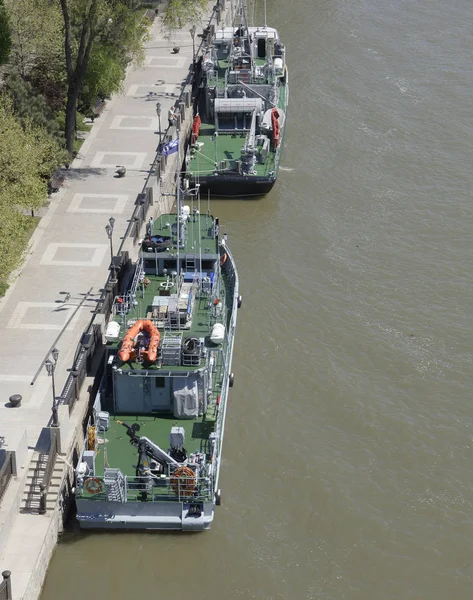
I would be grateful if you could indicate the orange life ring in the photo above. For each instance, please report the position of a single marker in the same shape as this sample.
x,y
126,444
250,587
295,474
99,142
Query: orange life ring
x,y
93,485
223,258
183,481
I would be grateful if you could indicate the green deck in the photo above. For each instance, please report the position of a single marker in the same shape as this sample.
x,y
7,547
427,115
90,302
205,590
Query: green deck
x,y
201,317
228,147
199,233
115,449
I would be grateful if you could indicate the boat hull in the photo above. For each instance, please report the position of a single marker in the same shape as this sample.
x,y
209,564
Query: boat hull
x,y
160,516
228,186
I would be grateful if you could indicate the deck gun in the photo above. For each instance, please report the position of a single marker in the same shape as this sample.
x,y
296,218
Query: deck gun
x,y
152,460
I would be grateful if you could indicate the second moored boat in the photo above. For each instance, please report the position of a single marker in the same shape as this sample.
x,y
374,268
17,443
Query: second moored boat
x,y
236,140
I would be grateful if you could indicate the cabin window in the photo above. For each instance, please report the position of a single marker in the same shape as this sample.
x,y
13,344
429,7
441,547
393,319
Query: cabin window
x,y
160,382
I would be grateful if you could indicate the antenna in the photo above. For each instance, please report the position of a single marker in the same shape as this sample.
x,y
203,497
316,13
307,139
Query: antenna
x,y
200,235
265,13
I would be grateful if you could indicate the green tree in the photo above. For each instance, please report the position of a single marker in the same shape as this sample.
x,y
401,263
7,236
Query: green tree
x,y
5,34
117,44
87,22
180,13
28,154
29,106
36,27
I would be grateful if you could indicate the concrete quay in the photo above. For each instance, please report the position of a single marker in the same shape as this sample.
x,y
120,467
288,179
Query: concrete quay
x,y
63,287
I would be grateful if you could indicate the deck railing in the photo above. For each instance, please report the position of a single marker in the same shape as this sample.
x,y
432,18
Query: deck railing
x,y
131,489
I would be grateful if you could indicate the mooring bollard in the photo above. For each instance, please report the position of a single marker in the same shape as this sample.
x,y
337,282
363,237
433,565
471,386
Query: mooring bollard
x,y
7,583
42,499
15,400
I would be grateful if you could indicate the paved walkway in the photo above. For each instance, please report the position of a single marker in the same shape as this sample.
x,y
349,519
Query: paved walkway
x,y
70,255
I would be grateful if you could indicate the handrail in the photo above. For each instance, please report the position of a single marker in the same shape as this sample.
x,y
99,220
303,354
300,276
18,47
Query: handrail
x,y
44,485
6,472
131,488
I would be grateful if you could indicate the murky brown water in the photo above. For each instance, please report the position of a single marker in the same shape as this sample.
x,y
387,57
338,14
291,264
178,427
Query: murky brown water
x,y
348,449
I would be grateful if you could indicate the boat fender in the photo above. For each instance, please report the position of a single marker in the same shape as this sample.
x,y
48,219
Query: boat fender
x,y
93,485
218,497
231,380
239,301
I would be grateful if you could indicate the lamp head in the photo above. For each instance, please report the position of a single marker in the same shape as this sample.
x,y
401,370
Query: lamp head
x,y
55,353
112,222
49,367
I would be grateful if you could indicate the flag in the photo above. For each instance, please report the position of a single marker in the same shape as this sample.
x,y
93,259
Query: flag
x,y
170,148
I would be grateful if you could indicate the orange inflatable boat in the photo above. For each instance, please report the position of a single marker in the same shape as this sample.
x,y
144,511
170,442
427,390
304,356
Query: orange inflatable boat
x,y
128,350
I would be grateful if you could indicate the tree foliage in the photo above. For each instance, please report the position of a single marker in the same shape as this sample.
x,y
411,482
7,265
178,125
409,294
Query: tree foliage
x,y
36,28
89,22
28,154
29,106
180,13
120,42
5,34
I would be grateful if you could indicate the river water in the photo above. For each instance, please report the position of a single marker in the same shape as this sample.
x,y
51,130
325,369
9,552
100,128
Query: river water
x,y
349,439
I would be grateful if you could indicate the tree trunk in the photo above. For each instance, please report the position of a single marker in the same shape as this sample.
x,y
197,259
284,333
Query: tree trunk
x,y
76,74
71,109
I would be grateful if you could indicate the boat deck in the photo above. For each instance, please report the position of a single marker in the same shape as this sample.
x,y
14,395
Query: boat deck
x,y
211,152
115,449
226,147
156,290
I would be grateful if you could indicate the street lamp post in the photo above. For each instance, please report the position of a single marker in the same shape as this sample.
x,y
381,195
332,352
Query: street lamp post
x,y
109,230
158,112
192,32
50,368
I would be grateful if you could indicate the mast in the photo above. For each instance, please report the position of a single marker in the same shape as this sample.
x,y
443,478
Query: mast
x,y
178,201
